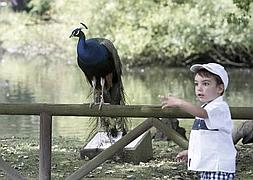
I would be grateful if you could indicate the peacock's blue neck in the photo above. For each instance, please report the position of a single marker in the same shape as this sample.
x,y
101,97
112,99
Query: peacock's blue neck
x,y
91,52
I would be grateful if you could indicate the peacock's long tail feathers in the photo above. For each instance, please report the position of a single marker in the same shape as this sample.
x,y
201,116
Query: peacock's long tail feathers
x,y
109,124
115,95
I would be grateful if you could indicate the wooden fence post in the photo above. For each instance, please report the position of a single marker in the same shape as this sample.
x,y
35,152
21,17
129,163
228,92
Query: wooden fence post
x,y
45,146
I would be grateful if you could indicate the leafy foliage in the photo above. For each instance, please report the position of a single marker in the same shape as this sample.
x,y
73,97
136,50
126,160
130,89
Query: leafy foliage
x,y
244,16
39,7
243,4
35,7
163,30
171,32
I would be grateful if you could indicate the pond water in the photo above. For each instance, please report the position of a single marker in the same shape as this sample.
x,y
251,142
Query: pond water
x,y
40,80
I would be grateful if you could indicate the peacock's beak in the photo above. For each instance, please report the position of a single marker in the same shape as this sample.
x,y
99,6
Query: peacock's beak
x,y
71,36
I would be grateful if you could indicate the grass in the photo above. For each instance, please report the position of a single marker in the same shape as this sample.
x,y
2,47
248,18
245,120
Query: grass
x,y
144,32
23,155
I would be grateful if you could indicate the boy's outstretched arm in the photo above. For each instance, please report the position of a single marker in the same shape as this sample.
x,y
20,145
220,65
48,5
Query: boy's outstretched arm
x,y
171,101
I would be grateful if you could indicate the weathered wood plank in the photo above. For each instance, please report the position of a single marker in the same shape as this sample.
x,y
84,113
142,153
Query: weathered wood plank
x,y
109,110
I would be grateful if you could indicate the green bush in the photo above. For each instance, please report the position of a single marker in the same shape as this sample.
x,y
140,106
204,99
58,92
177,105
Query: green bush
x,y
159,31
39,7
151,31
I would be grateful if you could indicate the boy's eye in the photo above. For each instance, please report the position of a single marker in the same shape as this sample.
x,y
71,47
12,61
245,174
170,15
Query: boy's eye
x,y
205,83
195,84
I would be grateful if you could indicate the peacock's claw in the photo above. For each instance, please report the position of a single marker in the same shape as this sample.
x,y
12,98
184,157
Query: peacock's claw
x,y
91,105
101,102
100,105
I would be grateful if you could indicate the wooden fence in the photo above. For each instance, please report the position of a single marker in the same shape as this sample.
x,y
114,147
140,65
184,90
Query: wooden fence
x,y
46,111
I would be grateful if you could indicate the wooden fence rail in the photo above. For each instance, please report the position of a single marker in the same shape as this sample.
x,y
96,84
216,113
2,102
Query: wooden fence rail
x,y
109,110
46,111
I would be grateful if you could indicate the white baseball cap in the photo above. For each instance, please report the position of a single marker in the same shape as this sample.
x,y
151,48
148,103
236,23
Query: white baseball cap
x,y
215,69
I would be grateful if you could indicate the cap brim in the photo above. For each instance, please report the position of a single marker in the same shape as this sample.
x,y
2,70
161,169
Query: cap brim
x,y
196,67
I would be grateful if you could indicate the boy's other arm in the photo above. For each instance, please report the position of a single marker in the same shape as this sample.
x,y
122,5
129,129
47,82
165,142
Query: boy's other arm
x,y
182,156
171,101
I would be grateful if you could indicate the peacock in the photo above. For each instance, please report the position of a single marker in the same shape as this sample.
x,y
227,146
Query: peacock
x,y
101,65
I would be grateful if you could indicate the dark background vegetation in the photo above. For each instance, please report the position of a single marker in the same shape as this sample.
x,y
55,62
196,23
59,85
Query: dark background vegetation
x,y
166,32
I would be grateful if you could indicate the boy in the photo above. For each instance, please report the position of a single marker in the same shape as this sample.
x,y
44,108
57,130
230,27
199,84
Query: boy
x,y
211,150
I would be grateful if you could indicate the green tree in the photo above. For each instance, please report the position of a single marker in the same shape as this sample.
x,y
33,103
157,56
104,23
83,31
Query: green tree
x,y
168,31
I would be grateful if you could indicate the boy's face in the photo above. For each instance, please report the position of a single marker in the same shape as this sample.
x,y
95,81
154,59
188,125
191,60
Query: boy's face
x,y
206,88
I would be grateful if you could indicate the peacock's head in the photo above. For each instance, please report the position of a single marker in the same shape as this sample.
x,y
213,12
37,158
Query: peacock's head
x,y
78,32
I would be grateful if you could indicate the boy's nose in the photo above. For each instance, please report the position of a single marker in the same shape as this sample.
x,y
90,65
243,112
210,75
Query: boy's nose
x,y
199,88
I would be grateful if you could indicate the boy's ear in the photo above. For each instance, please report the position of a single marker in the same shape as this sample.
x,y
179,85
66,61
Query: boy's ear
x,y
220,88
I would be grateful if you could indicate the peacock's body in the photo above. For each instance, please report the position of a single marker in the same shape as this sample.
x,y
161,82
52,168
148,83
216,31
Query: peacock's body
x,y
100,62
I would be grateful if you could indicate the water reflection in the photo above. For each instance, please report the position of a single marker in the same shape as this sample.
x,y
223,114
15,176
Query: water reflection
x,y
24,81
152,82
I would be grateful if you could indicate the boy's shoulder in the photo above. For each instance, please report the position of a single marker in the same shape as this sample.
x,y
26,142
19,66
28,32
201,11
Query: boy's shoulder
x,y
218,100
218,104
